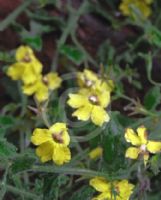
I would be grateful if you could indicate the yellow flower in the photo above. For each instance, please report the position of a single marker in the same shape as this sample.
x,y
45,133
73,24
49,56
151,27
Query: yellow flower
x,y
89,79
41,87
115,190
96,153
52,80
90,104
38,89
104,86
52,143
143,146
27,67
25,54
142,5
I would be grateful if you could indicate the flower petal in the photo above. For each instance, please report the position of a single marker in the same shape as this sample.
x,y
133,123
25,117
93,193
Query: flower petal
x,y
104,85
53,80
100,184
125,189
142,6
83,113
153,146
77,100
58,127
42,92
132,152
22,52
142,133
86,78
61,155
32,72
36,66
99,115
149,1
29,89
96,153
103,196
40,136
15,71
104,98
131,137
45,151
29,76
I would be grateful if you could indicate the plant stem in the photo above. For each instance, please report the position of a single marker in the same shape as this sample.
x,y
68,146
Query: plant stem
x,y
23,100
74,171
10,18
72,22
45,117
15,190
85,138
3,183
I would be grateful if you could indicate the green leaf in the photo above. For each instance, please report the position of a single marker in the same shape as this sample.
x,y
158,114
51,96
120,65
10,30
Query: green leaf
x,y
113,147
155,164
22,163
37,29
154,36
152,98
52,186
84,193
6,120
119,89
106,53
122,120
115,127
154,196
154,129
6,149
2,132
137,84
11,89
5,123
72,53
148,58
6,57
108,148
35,42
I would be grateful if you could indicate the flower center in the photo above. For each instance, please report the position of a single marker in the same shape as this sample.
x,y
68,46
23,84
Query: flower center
x,y
58,138
26,58
88,83
93,99
45,80
143,147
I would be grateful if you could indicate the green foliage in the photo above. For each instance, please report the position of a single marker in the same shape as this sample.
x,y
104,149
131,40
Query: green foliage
x,y
72,53
6,120
52,184
7,150
22,163
83,193
34,42
155,164
154,36
152,98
